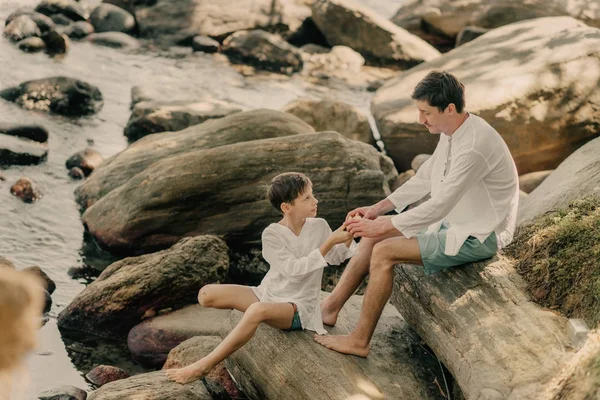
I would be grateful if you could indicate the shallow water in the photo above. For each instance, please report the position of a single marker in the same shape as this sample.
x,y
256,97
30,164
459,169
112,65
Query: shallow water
x,y
49,233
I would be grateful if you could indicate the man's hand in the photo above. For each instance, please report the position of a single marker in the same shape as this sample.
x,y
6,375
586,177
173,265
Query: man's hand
x,y
368,228
363,212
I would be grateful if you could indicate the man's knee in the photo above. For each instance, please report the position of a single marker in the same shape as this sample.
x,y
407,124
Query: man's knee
x,y
381,258
205,296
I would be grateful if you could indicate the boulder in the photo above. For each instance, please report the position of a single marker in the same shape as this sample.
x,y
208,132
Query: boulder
x,y
332,115
32,45
238,127
222,191
307,34
110,18
103,374
205,44
159,116
346,22
397,367
69,8
117,40
56,43
576,177
536,88
482,325
23,144
60,95
263,50
151,341
218,382
530,181
65,392
469,33
26,190
161,20
43,22
138,287
437,19
150,386
20,28
49,284
87,160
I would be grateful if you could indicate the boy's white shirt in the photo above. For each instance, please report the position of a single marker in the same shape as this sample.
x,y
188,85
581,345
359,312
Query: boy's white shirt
x,y
296,268
478,196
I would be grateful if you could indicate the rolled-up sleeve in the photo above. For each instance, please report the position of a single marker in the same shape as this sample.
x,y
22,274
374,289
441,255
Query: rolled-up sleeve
x,y
466,170
283,260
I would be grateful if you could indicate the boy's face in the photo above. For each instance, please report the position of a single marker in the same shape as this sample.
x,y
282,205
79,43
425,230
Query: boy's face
x,y
304,206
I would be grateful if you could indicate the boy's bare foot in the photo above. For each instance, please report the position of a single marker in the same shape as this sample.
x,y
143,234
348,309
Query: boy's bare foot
x,y
188,374
328,314
346,344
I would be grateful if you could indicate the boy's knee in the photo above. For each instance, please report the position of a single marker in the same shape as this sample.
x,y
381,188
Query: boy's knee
x,y
255,312
204,296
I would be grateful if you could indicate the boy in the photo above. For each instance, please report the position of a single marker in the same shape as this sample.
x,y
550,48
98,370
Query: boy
x,y
297,249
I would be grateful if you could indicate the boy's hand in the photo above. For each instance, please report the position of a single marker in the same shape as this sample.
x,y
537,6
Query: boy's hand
x,y
340,235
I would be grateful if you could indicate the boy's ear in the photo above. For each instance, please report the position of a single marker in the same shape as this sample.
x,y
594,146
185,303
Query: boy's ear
x,y
285,207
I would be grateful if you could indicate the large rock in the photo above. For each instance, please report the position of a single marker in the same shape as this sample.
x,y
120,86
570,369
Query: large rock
x,y
481,323
20,28
151,341
150,386
43,22
23,144
437,19
222,190
103,374
576,177
263,50
60,95
161,19
396,368
32,44
159,116
138,287
332,115
69,8
346,22
239,127
110,18
537,88
530,181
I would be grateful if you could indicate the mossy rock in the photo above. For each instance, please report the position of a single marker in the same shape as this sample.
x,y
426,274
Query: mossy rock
x,y
558,255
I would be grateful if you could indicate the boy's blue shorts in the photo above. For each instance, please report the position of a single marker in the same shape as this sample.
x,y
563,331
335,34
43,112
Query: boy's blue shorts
x,y
433,245
296,324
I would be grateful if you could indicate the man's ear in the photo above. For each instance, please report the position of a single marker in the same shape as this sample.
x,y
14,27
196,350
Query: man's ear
x,y
451,108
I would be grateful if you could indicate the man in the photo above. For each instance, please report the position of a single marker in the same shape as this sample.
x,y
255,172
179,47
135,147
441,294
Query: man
x,y
473,183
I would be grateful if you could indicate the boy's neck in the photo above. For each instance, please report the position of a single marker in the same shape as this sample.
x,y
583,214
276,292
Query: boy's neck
x,y
294,224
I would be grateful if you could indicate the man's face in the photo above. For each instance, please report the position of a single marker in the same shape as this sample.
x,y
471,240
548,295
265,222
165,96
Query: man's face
x,y
433,119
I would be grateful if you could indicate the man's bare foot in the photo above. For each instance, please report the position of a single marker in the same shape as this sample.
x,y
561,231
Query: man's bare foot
x,y
188,374
328,314
345,344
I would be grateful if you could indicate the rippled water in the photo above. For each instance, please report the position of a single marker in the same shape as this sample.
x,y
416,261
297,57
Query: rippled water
x,y
49,233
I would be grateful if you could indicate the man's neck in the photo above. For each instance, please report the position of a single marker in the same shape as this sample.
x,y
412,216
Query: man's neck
x,y
457,123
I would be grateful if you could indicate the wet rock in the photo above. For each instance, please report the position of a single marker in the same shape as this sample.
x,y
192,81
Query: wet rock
x,y
18,149
528,182
379,41
116,40
150,386
60,95
332,115
32,45
79,30
63,393
263,50
469,33
151,341
131,289
110,18
87,160
61,20
356,173
154,116
103,374
238,127
205,44
32,132
25,190
520,103
218,382
418,161
56,43
49,284
21,28
76,173
69,8
6,263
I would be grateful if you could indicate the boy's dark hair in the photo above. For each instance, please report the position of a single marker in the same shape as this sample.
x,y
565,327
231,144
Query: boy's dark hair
x,y
285,188
439,89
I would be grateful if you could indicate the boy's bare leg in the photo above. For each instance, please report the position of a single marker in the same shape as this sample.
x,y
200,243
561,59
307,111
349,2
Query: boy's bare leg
x,y
385,255
355,272
237,297
277,315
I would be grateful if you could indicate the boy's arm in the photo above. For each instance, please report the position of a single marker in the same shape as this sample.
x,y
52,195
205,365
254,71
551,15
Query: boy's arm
x,y
283,260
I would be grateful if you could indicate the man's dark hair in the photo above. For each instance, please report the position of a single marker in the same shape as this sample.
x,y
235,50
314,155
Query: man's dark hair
x,y
285,188
440,88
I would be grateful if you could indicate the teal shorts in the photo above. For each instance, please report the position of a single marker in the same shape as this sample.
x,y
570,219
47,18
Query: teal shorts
x,y
433,246
296,324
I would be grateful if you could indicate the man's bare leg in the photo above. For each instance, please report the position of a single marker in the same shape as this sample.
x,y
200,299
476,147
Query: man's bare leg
x,y
355,272
385,255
